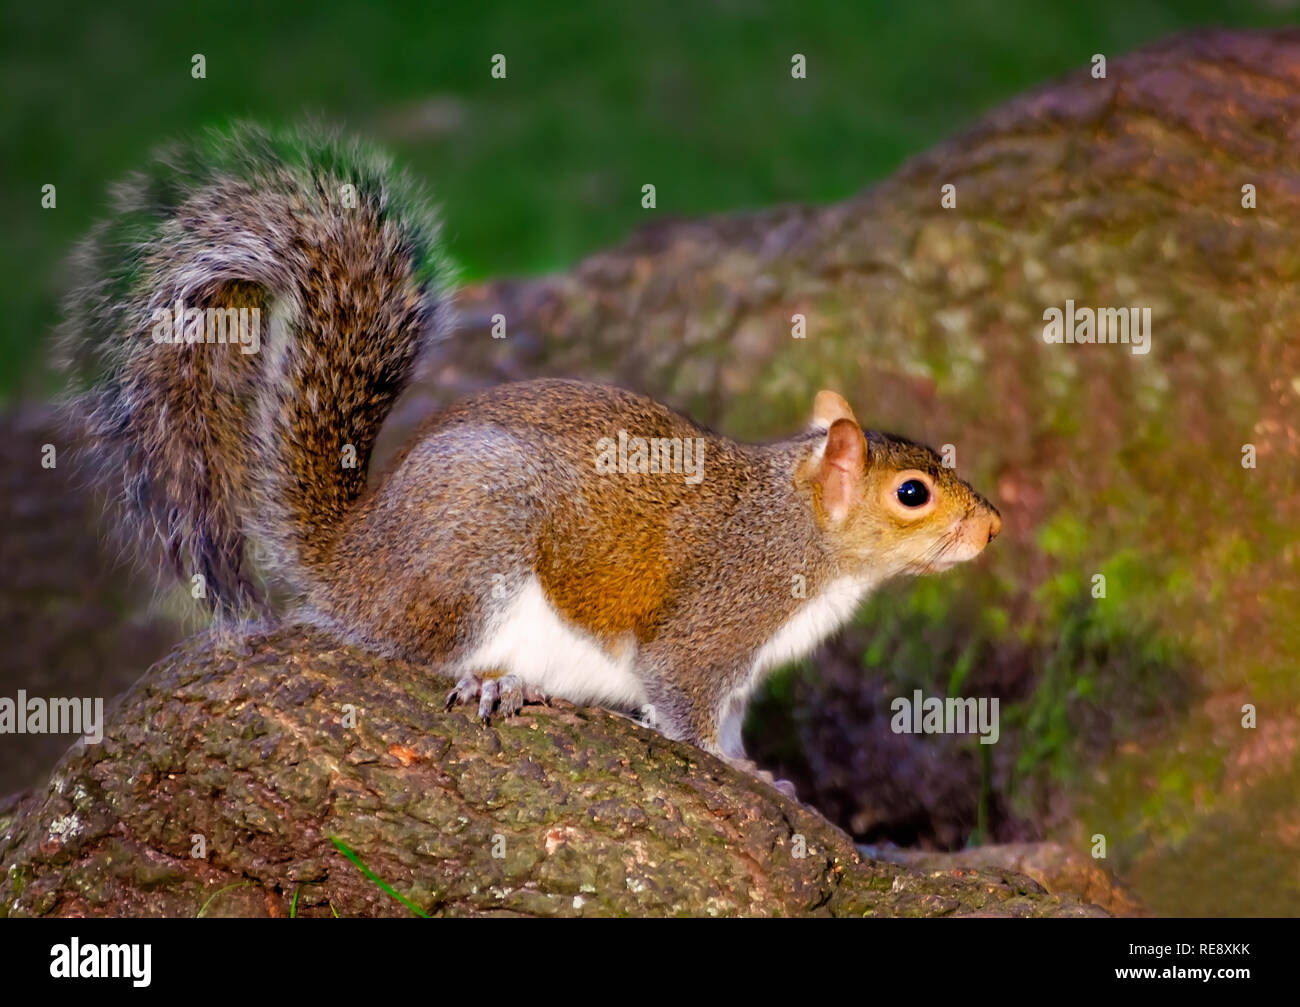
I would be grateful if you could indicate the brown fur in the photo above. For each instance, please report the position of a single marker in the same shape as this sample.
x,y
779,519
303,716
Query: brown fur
x,y
697,578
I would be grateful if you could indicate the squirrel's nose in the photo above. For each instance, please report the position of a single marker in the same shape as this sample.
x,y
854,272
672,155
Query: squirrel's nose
x,y
995,525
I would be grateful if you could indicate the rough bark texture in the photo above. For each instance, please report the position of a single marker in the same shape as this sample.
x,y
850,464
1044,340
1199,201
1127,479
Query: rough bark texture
x,y
559,812
1057,868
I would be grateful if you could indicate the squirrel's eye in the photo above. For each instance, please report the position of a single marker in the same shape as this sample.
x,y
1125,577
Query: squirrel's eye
x,y
913,493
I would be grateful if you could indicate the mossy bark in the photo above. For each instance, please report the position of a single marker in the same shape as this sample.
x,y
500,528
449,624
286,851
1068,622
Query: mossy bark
x,y
229,767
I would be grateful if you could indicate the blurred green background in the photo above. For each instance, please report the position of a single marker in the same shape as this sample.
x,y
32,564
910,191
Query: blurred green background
x,y
546,165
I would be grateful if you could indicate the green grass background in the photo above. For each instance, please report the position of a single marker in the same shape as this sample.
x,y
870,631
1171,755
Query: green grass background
x,y
545,166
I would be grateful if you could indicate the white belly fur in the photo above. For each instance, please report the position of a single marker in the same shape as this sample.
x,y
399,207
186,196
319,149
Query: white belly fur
x,y
814,622
817,619
533,641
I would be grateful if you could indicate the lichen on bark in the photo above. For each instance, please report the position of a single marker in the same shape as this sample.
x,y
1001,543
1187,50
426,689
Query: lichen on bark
x,y
227,769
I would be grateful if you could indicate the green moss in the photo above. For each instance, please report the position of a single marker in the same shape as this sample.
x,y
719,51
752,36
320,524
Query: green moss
x,y
1101,679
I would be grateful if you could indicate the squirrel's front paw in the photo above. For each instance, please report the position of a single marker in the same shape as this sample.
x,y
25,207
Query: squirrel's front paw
x,y
508,693
753,769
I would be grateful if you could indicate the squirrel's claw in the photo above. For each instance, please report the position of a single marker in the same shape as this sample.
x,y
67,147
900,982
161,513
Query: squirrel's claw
x,y
465,692
488,695
753,769
507,693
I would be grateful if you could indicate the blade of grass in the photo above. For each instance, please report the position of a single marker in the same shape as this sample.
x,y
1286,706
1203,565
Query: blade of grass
x,y
239,884
347,852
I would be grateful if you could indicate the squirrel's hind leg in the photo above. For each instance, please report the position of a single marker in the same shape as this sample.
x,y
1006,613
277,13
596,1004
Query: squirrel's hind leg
x,y
682,710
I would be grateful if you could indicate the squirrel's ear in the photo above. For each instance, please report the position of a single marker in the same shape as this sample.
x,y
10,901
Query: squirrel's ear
x,y
843,464
828,407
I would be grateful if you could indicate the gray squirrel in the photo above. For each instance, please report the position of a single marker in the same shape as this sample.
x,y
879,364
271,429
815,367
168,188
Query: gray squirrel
x,y
541,538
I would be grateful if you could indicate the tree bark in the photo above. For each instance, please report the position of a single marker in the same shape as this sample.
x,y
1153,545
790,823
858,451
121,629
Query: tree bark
x,y
228,769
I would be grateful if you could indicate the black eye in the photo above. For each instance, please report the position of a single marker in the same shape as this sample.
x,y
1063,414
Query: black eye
x,y
913,493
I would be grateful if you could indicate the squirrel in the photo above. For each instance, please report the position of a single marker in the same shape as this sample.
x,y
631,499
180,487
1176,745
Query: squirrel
x,y
545,538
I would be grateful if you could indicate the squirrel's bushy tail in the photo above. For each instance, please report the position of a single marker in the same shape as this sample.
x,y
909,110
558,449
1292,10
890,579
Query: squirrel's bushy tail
x,y
238,331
